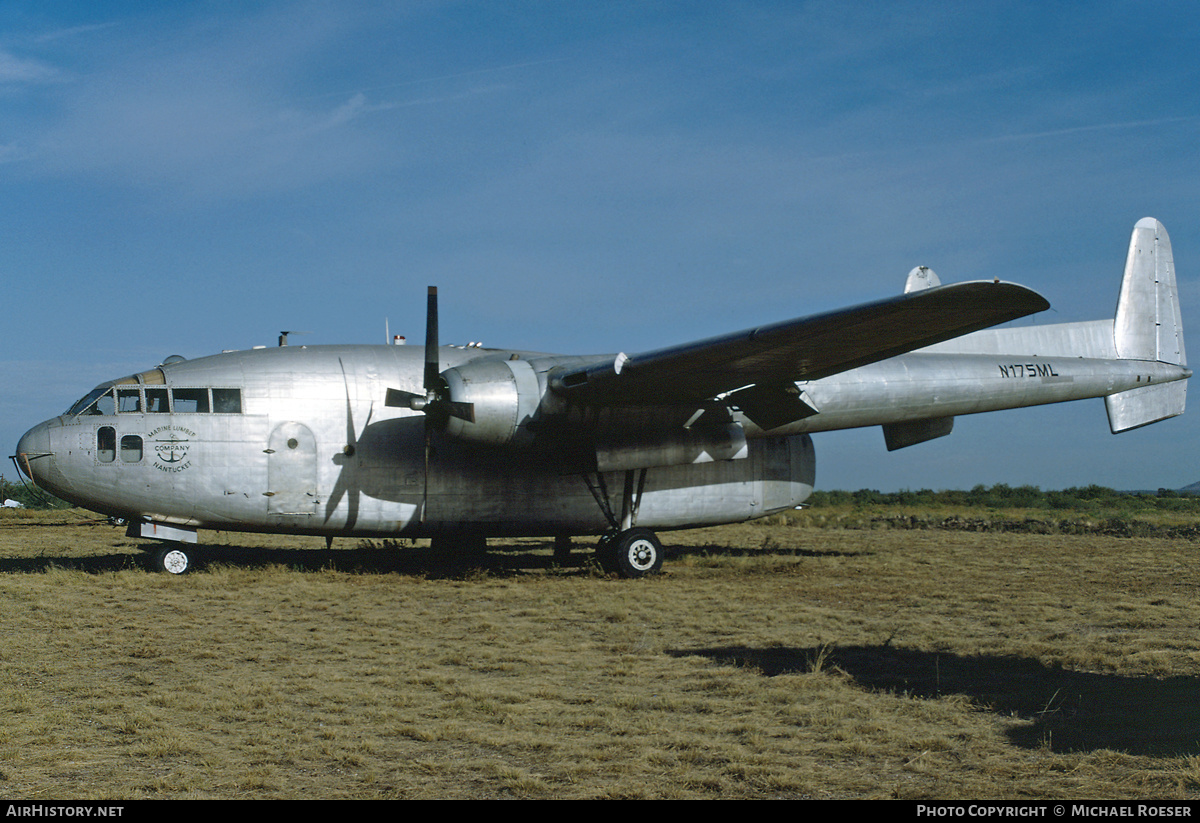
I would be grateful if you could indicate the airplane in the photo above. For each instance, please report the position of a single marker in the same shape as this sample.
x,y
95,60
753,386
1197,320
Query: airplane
x,y
459,444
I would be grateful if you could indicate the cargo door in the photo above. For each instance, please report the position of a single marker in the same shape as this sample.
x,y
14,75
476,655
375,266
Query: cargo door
x,y
292,470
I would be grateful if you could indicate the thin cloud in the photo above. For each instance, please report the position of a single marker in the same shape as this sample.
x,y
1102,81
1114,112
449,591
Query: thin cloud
x,y
71,31
23,70
1093,127
443,77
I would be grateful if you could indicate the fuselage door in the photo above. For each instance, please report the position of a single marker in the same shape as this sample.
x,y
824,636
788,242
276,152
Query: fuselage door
x,y
292,470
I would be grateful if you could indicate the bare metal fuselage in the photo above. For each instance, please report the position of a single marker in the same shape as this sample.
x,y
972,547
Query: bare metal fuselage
x,y
315,451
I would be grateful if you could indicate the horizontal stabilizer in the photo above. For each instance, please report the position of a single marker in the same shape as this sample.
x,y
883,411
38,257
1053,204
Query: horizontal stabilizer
x,y
902,435
1141,407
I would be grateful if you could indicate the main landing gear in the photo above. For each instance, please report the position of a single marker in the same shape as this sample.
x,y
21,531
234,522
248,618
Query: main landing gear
x,y
631,553
626,550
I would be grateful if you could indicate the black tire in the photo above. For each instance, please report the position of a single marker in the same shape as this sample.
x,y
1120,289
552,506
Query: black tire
x,y
632,553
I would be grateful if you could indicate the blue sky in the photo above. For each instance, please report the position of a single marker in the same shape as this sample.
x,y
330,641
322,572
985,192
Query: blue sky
x,y
588,177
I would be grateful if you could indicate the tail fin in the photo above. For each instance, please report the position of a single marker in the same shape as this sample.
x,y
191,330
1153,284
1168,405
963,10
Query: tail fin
x,y
1148,324
1148,327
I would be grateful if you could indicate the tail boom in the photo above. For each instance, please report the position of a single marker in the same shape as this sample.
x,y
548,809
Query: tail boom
x,y
1135,361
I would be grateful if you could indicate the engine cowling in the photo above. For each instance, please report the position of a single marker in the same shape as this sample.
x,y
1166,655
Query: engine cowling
x,y
505,395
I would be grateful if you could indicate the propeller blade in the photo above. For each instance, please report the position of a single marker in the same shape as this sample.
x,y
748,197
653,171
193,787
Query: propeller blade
x,y
463,411
400,399
434,387
433,372
435,402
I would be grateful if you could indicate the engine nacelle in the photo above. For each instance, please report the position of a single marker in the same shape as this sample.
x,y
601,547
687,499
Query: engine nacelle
x,y
505,395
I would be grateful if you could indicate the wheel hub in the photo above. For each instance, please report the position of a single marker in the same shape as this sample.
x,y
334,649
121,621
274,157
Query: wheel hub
x,y
175,561
641,555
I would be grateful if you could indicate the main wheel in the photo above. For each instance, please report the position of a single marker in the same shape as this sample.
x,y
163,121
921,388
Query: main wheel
x,y
173,560
633,553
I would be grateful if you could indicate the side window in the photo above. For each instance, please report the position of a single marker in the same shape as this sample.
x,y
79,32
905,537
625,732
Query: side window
x,y
106,444
156,401
227,401
129,400
187,401
131,448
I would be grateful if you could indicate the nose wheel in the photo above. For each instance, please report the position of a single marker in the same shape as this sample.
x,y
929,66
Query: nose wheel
x,y
631,553
173,560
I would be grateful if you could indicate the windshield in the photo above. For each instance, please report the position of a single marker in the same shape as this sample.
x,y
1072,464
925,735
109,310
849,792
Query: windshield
x,y
90,398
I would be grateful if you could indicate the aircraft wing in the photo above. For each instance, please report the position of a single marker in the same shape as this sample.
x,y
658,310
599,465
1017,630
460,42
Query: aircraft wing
x,y
775,356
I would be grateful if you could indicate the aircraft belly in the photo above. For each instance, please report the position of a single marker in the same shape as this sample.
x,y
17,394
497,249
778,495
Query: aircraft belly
x,y
491,492
497,490
779,475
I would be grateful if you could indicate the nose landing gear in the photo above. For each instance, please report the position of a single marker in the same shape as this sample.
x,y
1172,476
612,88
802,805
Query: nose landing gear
x,y
173,560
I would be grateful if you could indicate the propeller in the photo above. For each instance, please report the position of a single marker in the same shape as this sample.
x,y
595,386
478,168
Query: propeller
x,y
435,402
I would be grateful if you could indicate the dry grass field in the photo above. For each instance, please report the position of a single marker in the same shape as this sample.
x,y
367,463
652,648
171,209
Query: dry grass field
x,y
768,661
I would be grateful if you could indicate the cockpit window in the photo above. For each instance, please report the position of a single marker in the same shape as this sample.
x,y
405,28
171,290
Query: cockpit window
x,y
187,401
129,401
126,399
223,401
99,401
157,401
86,401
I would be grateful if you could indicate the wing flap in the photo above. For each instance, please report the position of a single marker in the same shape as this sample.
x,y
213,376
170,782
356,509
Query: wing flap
x,y
806,348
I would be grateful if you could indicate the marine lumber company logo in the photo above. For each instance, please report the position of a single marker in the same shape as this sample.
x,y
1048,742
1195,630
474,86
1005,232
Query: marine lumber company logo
x,y
171,445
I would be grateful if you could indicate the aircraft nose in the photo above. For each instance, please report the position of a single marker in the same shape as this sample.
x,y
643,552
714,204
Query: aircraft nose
x,y
33,451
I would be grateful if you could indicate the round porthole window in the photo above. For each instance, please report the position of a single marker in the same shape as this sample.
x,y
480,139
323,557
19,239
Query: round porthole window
x,y
293,442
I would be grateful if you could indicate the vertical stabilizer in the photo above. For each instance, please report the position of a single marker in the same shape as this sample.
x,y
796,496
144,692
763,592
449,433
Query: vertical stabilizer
x,y
1148,325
